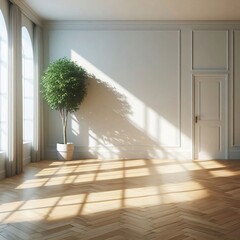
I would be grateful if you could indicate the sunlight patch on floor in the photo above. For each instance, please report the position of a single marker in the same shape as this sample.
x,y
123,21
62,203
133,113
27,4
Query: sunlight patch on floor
x,y
174,168
70,189
224,173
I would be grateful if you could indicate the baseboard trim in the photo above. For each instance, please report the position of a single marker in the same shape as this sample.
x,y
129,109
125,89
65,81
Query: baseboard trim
x,y
234,155
123,152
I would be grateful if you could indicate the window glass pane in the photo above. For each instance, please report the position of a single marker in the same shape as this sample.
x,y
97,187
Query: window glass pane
x,y
27,71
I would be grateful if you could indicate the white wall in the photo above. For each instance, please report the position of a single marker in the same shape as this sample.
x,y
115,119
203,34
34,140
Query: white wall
x,y
140,104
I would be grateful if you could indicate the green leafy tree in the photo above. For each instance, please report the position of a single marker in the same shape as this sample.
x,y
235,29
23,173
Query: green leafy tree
x,y
64,88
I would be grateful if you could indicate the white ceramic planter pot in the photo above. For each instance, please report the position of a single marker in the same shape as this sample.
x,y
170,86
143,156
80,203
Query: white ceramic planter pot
x,y
65,151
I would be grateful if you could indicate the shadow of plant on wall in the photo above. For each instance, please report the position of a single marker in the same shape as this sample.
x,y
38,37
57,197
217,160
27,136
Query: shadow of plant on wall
x,y
105,125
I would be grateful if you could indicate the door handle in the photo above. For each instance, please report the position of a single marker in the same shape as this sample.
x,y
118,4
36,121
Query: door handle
x,y
196,119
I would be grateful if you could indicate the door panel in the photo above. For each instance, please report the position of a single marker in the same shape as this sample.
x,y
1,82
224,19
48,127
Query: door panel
x,y
210,99
209,140
210,117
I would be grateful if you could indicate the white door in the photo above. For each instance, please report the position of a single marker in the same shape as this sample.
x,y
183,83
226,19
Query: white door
x,y
210,117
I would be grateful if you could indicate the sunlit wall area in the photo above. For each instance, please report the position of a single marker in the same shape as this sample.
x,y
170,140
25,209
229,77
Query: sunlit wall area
x,y
144,71
133,107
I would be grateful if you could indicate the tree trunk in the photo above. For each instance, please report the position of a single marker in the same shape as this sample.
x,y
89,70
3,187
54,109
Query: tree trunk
x,y
64,134
64,117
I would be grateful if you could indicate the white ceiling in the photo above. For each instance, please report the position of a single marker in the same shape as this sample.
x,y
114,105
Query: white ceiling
x,y
136,9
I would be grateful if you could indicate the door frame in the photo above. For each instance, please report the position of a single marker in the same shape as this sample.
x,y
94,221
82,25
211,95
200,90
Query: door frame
x,y
226,79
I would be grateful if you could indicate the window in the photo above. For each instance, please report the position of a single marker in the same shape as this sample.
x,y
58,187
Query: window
x,y
3,85
28,98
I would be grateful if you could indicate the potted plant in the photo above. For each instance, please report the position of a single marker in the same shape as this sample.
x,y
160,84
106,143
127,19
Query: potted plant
x,y
64,88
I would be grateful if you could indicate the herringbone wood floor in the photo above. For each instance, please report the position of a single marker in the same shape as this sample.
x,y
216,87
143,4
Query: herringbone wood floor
x,y
124,199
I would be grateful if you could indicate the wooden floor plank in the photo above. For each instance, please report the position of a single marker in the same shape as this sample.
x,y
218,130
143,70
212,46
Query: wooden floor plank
x,y
147,199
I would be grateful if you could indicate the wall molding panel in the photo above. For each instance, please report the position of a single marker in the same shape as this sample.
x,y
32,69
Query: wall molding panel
x,y
207,52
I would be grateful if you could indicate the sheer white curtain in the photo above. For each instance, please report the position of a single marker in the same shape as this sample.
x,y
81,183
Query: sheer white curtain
x,y
3,85
14,163
38,149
